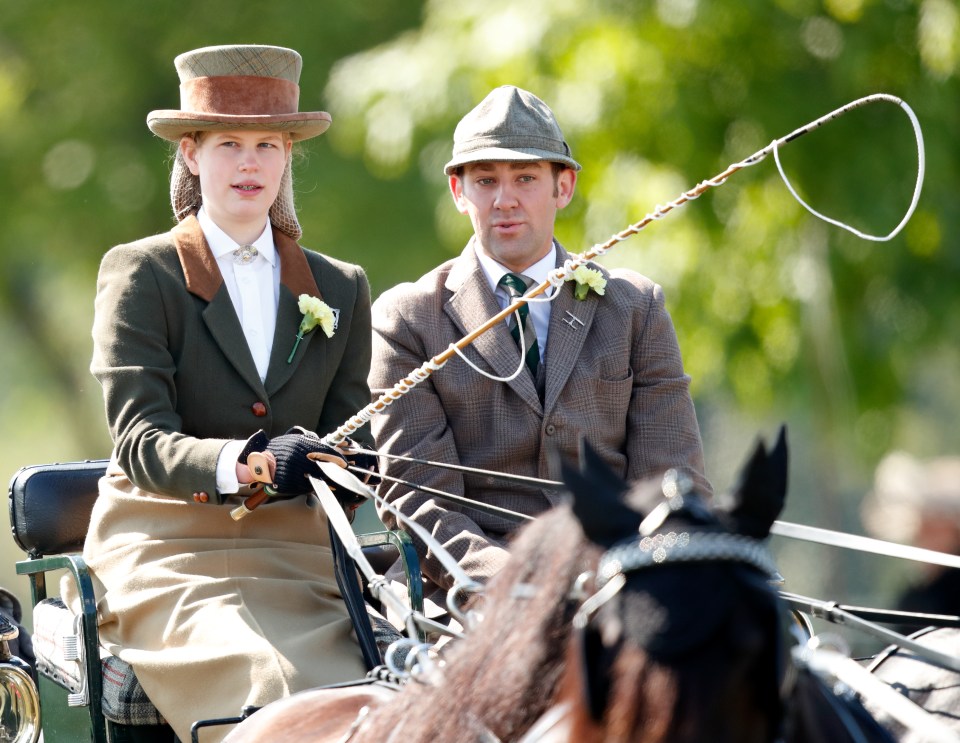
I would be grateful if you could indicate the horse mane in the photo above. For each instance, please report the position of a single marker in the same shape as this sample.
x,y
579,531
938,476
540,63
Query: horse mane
x,y
503,674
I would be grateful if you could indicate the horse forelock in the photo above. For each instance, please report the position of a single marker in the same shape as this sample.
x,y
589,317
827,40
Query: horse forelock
x,y
725,687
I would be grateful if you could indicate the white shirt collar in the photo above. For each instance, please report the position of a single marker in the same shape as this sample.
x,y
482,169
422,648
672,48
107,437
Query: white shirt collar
x,y
221,243
538,271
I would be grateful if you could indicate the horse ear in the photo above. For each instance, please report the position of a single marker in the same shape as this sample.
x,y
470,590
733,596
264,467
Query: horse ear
x,y
598,499
761,490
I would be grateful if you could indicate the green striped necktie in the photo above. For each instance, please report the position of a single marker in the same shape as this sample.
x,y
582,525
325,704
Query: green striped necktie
x,y
516,286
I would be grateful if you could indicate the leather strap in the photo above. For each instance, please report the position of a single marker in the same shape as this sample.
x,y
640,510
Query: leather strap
x,y
353,598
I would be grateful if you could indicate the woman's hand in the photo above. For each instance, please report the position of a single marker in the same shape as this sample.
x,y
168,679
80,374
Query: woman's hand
x,y
245,476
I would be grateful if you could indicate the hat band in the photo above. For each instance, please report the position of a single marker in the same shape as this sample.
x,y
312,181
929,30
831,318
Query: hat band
x,y
240,95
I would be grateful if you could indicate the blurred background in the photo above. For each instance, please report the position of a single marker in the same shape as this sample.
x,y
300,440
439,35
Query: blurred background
x,y
782,319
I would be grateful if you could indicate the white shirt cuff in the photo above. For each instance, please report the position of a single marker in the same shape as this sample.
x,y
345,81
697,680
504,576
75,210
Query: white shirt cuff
x,y
227,467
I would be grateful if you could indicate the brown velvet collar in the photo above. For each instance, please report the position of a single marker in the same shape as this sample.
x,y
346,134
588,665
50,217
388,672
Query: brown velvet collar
x,y
203,275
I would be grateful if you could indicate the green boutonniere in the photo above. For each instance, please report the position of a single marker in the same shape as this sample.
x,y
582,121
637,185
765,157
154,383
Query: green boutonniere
x,y
315,312
587,279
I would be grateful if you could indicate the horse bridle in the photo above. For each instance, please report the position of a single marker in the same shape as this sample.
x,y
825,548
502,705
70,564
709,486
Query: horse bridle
x,y
650,549
639,553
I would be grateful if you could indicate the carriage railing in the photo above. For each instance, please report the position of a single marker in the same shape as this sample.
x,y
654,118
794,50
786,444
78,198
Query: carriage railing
x,y
834,665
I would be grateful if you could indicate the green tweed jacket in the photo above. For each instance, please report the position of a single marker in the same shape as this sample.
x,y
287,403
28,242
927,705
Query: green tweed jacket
x,y
178,377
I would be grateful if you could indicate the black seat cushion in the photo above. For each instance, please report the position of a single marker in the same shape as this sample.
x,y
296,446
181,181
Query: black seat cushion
x,y
50,505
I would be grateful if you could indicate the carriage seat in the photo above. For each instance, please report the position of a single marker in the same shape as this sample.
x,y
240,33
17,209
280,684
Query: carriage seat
x,y
50,507
57,636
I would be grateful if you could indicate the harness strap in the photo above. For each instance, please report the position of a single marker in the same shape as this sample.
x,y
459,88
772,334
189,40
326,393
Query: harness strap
x,y
863,544
353,598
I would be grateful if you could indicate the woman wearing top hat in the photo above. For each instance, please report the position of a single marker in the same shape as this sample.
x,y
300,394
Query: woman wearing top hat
x,y
196,347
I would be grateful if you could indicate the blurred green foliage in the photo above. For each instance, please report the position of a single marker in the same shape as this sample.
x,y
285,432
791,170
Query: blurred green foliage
x,y
780,317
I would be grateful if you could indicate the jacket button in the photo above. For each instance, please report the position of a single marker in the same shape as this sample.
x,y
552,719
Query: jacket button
x,y
259,409
550,429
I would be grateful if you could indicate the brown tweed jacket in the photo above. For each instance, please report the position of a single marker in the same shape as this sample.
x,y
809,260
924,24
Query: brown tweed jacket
x,y
613,376
177,375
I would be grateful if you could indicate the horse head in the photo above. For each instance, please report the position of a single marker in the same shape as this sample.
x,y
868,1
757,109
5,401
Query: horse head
x,y
684,638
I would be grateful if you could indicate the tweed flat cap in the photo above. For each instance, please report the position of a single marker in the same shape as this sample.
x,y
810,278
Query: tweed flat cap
x,y
510,124
242,86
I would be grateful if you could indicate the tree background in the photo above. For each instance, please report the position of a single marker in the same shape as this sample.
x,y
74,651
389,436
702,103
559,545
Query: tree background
x,y
781,318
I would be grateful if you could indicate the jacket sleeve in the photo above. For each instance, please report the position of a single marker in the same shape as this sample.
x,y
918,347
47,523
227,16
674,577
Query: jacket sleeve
x,y
349,393
662,427
416,426
133,363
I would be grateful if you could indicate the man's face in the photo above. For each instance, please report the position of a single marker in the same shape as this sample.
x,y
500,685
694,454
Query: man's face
x,y
512,206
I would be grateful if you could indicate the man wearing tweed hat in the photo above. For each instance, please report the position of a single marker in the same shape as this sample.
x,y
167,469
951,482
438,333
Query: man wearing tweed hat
x,y
601,364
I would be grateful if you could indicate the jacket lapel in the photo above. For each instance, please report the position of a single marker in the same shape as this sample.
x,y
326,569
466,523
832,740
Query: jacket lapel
x,y
204,280
470,306
296,278
571,321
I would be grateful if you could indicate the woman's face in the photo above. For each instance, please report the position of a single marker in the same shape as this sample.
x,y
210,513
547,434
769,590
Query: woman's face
x,y
240,174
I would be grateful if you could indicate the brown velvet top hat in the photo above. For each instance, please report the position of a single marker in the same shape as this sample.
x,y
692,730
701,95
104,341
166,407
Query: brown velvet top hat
x,y
242,86
510,124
